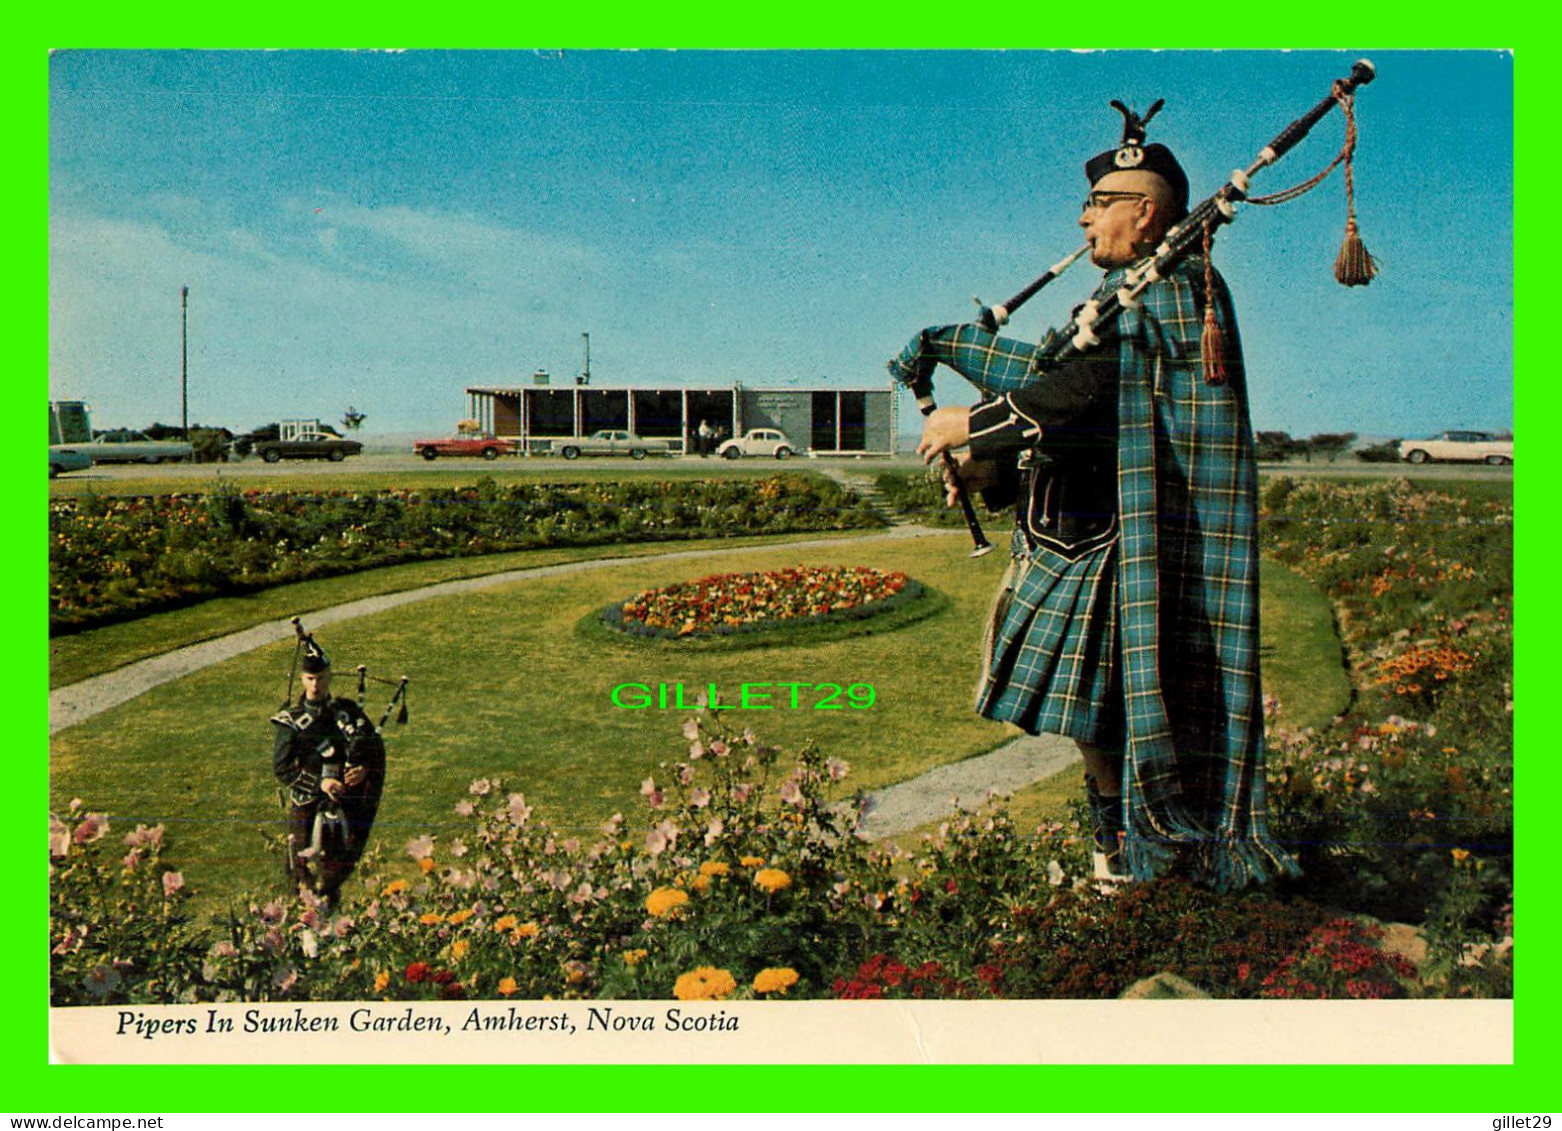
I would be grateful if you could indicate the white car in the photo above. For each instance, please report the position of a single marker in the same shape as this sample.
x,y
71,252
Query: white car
x,y
1454,445
757,442
67,457
124,446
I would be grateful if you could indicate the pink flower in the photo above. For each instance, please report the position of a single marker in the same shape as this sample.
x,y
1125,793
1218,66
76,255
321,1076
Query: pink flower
x,y
72,940
225,949
284,979
342,927
661,837
145,837
837,769
685,775
713,833
172,882
480,787
309,944
748,736
719,749
465,808
649,791
421,847
698,798
791,792
691,729
741,791
273,912
457,848
518,809
92,828
59,838
131,859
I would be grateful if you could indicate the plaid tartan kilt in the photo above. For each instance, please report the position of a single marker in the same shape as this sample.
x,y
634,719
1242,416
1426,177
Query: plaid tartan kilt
x,y
1051,662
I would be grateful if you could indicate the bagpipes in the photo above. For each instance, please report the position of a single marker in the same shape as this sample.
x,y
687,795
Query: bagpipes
x,y
1353,267
303,640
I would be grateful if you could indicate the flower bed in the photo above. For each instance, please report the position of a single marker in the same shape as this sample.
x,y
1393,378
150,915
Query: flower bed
x,y
747,879
113,558
746,602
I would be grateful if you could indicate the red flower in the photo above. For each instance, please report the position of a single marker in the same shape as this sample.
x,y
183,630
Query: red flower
x,y
417,971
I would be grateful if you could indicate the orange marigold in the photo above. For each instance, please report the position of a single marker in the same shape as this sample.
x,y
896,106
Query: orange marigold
x,y
664,902
775,980
706,983
395,886
772,880
429,918
715,868
427,864
506,923
751,861
459,917
507,986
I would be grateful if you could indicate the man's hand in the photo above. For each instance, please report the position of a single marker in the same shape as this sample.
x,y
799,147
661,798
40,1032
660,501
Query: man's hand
x,y
334,788
975,475
356,775
945,428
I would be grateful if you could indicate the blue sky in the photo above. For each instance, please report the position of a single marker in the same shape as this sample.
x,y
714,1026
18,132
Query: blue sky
x,y
385,229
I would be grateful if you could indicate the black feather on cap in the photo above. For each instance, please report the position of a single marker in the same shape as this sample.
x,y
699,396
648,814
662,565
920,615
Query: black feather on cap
x,y
314,659
1132,153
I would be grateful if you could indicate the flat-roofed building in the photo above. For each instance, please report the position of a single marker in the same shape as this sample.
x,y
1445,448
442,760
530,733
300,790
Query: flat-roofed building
x,y
823,421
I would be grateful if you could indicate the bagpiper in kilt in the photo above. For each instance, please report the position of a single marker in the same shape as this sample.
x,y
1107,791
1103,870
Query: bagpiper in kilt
x,y
1129,618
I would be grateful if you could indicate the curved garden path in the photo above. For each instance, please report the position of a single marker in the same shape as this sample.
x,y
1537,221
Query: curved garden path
x,y
893,810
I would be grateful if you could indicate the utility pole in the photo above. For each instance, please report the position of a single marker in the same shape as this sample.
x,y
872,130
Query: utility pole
x,y
184,361
585,378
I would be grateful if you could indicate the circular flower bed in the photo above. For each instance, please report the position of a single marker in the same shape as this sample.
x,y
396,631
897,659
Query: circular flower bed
x,y
744,602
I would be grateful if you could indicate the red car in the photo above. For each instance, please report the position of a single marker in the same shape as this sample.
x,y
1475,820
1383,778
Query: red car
x,y
464,444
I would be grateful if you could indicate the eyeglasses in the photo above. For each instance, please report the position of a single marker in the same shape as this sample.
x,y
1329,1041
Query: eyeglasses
x,y
1097,201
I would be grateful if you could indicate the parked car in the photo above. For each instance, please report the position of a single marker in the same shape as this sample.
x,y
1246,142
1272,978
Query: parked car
x,y
757,442
464,444
125,446
610,442
67,457
1456,445
308,445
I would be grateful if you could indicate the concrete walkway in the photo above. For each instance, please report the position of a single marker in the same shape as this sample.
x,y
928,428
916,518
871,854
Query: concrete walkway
x,y
891,811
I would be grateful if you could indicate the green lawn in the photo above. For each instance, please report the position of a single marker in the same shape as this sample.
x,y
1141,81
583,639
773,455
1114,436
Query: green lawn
x,y
505,682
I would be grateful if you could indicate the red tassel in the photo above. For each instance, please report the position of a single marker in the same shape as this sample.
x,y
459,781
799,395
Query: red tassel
x,y
1212,346
1355,267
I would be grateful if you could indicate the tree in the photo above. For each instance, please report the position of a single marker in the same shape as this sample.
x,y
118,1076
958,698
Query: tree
x,y
1273,447
1330,444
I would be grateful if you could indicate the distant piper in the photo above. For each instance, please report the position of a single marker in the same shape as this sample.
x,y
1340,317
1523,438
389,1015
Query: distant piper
x,y
330,761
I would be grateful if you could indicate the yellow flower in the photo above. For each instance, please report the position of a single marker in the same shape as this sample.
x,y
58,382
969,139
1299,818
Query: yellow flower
x,y
381,980
707,983
458,950
395,886
751,861
459,917
429,918
715,868
527,931
775,980
506,923
1460,855
427,864
507,986
664,902
700,883
634,957
772,880
574,972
